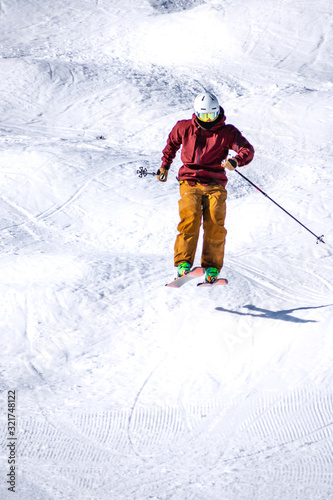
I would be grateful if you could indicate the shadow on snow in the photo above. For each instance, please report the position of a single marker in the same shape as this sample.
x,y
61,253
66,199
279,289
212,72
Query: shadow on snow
x,y
284,315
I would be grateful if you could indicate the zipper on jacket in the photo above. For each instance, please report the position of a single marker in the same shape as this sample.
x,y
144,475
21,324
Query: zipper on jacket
x,y
199,150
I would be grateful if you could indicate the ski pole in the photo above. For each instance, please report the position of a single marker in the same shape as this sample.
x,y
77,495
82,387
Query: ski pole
x,y
319,238
143,172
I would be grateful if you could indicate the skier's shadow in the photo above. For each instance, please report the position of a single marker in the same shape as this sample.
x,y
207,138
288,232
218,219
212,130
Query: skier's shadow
x,y
284,315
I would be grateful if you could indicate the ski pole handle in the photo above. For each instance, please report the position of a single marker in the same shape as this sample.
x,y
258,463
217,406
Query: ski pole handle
x,y
162,176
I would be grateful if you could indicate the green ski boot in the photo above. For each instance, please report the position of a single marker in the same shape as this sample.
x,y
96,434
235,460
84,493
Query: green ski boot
x,y
211,274
183,268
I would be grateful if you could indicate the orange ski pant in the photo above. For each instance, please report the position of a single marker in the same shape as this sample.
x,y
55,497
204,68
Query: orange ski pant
x,y
206,204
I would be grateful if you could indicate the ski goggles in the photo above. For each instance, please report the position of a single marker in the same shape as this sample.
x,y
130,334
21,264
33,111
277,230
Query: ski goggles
x,y
205,117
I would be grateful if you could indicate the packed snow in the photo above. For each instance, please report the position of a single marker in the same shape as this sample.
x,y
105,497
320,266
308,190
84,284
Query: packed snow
x,y
126,389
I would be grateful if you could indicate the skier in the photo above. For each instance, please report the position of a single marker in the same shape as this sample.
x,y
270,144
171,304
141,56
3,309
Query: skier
x,y
205,141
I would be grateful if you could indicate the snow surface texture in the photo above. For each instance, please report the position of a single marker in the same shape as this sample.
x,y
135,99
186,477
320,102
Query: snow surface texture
x,y
127,389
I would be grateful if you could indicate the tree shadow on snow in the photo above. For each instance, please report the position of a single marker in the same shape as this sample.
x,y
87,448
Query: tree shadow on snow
x,y
284,315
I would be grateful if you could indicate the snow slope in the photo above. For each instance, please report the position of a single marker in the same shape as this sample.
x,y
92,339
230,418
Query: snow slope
x,y
127,389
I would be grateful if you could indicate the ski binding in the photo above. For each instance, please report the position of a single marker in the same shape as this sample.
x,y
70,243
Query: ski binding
x,y
219,281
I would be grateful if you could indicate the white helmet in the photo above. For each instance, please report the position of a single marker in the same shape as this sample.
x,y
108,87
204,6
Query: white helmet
x,y
206,107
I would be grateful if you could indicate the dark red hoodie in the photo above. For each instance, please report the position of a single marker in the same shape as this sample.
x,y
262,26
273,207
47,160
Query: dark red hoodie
x,y
204,150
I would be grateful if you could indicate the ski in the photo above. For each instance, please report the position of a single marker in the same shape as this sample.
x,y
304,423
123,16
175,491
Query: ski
x,y
196,272
220,281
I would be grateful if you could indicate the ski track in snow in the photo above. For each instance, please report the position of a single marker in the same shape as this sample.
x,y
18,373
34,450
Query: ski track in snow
x,y
127,389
